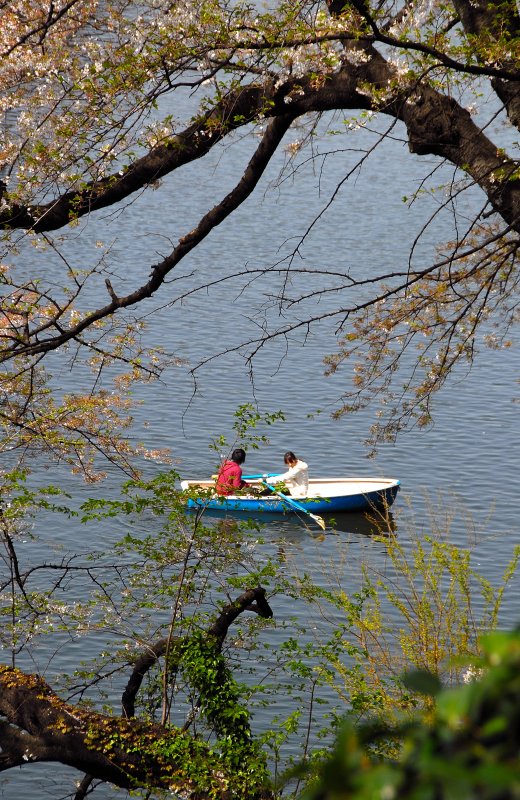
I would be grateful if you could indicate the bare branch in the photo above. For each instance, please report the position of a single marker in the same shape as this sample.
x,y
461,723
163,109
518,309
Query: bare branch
x,y
254,171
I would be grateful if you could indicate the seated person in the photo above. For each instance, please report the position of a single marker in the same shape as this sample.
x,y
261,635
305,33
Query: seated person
x,y
297,476
229,478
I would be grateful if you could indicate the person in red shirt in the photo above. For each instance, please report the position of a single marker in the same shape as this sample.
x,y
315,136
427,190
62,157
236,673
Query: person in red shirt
x,y
229,478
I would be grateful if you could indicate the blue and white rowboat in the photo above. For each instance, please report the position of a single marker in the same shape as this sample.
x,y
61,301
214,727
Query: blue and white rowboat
x,y
327,495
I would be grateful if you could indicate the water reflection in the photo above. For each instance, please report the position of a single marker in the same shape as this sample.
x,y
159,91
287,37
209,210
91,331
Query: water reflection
x,y
292,526
373,523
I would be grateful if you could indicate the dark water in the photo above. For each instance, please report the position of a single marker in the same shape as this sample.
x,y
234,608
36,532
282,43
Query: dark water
x,y
459,476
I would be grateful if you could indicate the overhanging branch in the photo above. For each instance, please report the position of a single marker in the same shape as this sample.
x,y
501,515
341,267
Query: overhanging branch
x,y
40,726
254,171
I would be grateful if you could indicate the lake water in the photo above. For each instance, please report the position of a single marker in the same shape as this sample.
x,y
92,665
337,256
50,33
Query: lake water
x,y
464,469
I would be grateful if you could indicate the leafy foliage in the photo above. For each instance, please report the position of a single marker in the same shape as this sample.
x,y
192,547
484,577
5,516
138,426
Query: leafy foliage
x,y
427,610
171,621
469,749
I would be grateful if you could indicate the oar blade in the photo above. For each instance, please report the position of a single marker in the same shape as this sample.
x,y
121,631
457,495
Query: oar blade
x,y
291,502
319,520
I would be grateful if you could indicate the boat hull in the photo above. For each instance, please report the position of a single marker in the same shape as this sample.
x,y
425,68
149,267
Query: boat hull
x,y
326,495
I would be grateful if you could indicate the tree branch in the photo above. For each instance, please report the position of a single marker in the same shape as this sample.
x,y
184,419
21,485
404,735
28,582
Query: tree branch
x,y
40,726
42,28
490,23
254,171
251,600
235,110
435,122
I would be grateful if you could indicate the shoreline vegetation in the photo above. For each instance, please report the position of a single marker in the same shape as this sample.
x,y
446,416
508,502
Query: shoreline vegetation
x,y
282,197
429,611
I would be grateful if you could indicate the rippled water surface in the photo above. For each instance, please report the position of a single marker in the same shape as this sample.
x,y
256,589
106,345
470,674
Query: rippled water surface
x,y
460,475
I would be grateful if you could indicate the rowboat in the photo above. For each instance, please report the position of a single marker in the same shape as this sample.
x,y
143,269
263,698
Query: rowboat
x,y
325,495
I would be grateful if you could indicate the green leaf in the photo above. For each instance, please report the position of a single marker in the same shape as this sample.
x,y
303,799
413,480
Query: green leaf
x,y
423,682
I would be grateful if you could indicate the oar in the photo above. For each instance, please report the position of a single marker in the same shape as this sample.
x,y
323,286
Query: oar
x,y
263,475
252,477
290,502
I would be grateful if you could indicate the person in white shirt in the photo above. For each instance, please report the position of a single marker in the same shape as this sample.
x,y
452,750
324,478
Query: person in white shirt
x,y
297,476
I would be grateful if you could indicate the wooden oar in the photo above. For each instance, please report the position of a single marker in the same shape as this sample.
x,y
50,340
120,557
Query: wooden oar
x,y
290,502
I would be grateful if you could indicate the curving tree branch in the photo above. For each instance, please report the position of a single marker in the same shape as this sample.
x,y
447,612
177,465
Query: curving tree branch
x,y
436,124
252,600
39,726
484,20
254,171
353,60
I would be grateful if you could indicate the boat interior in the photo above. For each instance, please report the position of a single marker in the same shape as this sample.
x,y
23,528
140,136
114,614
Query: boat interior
x,y
318,487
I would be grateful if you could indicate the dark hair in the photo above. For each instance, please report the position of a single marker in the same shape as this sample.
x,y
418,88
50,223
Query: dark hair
x,y
289,457
238,455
